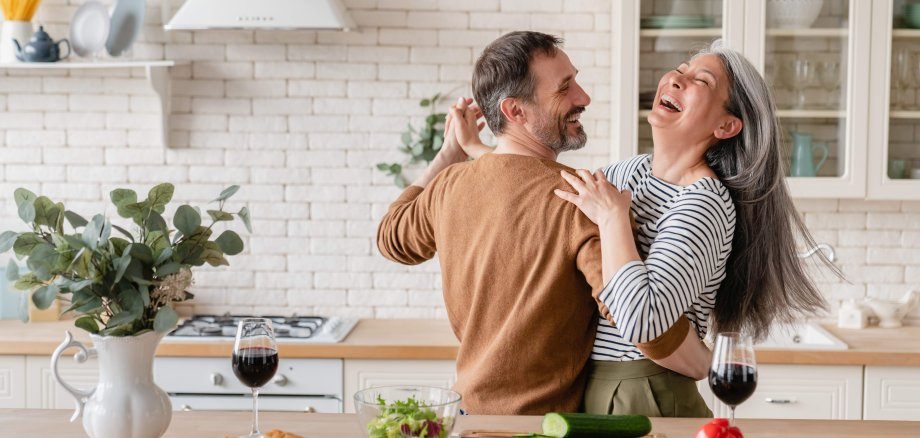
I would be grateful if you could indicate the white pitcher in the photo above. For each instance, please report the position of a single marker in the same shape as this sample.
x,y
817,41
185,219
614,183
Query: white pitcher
x,y
126,403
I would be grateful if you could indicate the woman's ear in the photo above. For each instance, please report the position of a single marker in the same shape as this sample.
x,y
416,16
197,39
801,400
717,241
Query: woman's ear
x,y
729,128
512,110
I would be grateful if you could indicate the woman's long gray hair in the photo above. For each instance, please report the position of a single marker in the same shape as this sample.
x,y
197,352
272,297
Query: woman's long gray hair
x,y
765,281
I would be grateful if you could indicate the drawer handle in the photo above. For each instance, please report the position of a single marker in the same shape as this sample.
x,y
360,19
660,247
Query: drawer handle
x,y
280,380
186,408
310,410
216,379
779,401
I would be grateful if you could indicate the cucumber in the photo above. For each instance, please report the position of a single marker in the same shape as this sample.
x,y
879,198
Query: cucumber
x,y
564,425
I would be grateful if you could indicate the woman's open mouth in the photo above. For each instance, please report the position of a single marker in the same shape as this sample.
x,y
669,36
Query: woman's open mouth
x,y
670,104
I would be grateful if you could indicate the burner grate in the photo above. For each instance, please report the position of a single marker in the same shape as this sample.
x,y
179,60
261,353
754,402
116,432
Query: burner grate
x,y
293,327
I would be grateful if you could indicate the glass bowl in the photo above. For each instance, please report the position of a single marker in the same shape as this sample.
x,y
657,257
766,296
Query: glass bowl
x,y
407,411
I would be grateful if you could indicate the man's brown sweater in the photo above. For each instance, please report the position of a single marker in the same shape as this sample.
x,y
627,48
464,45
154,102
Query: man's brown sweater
x,y
520,268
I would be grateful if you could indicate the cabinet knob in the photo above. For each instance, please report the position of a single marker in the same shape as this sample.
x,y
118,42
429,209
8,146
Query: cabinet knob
x,y
186,408
216,379
779,401
280,380
310,410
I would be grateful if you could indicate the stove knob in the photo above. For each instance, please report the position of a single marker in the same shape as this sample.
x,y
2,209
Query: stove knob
x,y
310,410
217,379
280,380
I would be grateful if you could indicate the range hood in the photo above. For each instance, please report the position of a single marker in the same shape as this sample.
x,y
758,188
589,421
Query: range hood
x,y
261,14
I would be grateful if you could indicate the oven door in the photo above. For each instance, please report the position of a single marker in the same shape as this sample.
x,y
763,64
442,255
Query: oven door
x,y
231,402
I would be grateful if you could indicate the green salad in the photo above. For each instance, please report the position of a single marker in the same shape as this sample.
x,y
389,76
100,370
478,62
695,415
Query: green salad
x,y
407,419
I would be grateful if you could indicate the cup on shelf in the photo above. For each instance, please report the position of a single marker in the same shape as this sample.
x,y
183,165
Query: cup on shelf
x,y
896,169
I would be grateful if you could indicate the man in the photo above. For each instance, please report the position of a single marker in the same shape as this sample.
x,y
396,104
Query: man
x,y
519,264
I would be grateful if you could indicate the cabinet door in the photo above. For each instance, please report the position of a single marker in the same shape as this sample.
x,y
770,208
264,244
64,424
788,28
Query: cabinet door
x,y
12,381
799,392
43,392
894,152
892,393
361,374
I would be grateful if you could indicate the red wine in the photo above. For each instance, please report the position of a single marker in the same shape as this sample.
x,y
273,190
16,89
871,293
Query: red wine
x,y
733,383
255,366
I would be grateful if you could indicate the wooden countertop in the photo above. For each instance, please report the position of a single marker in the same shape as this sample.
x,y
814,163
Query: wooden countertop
x,y
433,339
54,423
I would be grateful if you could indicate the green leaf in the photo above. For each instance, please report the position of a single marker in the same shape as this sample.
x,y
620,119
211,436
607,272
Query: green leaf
x,y
383,166
186,220
155,222
121,265
92,231
27,281
121,318
165,320
213,256
75,219
119,245
73,286
227,193
163,256
157,241
25,202
7,239
44,296
41,261
244,216
26,243
219,216
87,323
424,102
42,205
134,211
145,294
123,197
141,252
167,269
12,270
93,306
437,142
406,138
435,98
74,242
230,242
123,231
159,196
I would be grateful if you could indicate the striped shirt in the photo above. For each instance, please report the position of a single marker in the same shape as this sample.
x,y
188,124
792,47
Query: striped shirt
x,y
684,237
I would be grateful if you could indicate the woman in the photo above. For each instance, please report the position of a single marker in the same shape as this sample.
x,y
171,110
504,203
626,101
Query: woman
x,y
715,232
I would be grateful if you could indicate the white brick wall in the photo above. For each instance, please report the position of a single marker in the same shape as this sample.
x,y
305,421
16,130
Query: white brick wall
x,y
300,118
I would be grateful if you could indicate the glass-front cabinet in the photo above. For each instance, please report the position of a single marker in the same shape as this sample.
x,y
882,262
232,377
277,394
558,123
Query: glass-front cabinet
x,y
845,76
894,157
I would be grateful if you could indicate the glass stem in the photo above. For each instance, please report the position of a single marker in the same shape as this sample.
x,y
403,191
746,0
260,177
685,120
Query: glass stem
x,y
255,412
731,422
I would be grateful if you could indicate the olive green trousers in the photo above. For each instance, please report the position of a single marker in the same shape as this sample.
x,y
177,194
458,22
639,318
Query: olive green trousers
x,y
641,387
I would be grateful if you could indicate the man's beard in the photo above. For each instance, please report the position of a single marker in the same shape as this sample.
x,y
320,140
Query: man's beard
x,y
554,133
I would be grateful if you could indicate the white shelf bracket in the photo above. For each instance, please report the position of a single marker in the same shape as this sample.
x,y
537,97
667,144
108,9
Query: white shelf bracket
x,y
159,79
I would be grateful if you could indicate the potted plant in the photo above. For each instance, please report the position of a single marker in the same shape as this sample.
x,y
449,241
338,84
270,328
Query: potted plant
x,y
123,284
421,145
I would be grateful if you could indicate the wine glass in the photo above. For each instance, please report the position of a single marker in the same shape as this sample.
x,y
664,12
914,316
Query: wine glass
x,y
733,374
829,76
800,76
255,360
902,78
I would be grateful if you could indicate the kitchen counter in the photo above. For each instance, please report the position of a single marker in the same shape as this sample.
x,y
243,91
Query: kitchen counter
x,y
433,339
38,422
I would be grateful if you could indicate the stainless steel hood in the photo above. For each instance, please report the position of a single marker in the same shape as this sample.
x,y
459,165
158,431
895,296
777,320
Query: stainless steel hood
x,y
261,14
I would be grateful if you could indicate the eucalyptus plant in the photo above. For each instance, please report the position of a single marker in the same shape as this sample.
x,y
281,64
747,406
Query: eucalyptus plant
x,y
420,144
120,282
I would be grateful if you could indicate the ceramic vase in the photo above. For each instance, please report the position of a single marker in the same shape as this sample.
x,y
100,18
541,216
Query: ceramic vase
x,y
126,403
9,31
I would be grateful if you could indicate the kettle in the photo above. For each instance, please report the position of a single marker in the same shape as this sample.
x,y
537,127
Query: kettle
x,y
41,48
889,312
803,153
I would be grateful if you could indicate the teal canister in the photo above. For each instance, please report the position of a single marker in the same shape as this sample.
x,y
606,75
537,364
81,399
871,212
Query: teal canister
x,y
803,155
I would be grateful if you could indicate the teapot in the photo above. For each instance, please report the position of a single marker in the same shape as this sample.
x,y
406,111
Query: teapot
x,y
803,153
41,48
889,312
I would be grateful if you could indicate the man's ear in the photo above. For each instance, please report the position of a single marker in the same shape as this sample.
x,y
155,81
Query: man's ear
x,y
729,128
512,110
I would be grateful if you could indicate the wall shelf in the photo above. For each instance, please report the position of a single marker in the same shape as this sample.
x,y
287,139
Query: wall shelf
x,y
905,33
905,115
157,72
819,33
810,114
678,33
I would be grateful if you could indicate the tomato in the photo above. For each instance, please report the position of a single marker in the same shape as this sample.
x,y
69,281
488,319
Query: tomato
x,y
718,428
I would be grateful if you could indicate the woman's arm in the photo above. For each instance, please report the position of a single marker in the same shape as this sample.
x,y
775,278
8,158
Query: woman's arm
x,y
647,306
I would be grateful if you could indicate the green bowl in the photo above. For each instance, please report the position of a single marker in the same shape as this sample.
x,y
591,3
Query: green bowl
x,y
913,20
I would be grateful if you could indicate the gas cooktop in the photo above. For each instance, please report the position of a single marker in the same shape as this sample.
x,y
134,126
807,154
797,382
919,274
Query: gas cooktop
x,y
293,329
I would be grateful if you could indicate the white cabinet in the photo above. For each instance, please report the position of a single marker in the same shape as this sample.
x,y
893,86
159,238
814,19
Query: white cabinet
x,y
43,392
892,393
845,85
799,392
361,374
12,381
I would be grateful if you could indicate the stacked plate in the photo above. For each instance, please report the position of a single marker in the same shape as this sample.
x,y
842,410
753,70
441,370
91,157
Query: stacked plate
x,y
676,21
